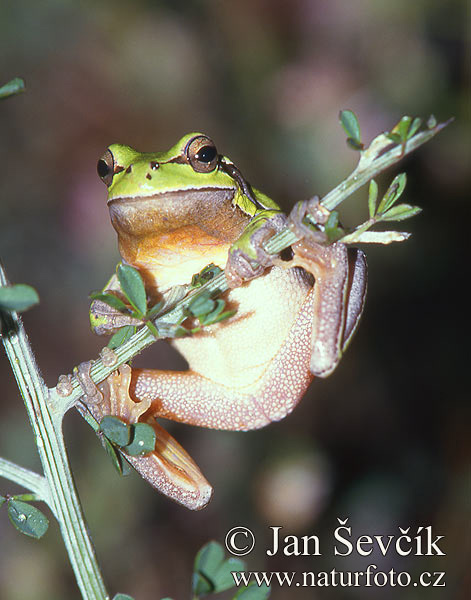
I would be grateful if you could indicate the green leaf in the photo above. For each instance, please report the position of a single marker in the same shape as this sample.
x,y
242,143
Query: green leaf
x,y
223,579
212,320
121,336
154,311
27,518
133,287
394,137
123,597
218,308
112,300
349,122
207,562
332,228
416,123
253,592
201,305
431,122
372,198
401,212
2,500
393,193
142,439
211,572
119,463
201,585
153,329
18,297
403,127
13,87
115,430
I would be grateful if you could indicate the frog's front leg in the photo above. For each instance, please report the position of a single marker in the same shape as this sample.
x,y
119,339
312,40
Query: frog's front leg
x,y
247,257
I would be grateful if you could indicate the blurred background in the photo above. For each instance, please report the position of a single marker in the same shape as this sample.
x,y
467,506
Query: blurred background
x,y
383,441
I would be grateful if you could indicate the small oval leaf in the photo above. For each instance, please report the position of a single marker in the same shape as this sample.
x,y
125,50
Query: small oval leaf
x,y
393,192
133,287
209,559
223,580
142,439
121,465
115,430
349,122
18,297
372,198
15,86
201,305
416,123
401,212
27,518
201,585
121,336
122,597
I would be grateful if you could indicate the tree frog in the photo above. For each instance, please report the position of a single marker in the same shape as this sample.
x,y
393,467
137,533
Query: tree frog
x,y
176,212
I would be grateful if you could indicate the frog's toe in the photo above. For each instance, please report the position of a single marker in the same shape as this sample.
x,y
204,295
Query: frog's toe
x,y
91,393
317,214
240,268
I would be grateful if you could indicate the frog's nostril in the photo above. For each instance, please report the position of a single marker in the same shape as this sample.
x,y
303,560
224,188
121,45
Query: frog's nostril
x,y
129,169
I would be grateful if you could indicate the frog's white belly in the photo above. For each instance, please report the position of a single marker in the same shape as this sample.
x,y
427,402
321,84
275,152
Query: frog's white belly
x,y
237,352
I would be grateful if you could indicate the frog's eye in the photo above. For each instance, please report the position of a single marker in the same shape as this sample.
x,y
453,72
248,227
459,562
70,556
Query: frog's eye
x,y
105,168
202,154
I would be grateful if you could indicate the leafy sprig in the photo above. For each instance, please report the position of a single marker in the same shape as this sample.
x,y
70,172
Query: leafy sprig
x,y
25,517
386,210
134,291
212,573
13,87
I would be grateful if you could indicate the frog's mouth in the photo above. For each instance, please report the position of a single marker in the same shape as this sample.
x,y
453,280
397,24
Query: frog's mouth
x,y
211,209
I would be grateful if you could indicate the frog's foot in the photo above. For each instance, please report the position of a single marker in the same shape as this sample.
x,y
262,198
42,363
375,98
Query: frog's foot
x,y
317,213
168,468
91,394
247,257
340,286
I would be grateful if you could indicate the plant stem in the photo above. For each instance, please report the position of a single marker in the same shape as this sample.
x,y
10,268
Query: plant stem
x,y
28,479
50,443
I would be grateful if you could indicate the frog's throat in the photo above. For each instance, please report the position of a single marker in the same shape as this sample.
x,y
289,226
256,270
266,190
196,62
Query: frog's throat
x,y
172,236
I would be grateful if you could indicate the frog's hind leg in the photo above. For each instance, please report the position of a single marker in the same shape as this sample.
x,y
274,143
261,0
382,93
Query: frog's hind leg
x,y
191,398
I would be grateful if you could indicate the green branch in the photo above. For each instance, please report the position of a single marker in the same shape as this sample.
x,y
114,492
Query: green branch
x,y
62,496
28,479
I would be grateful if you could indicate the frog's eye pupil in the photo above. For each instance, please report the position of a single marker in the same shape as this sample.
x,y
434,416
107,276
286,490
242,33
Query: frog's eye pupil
x,y
102,168
206,154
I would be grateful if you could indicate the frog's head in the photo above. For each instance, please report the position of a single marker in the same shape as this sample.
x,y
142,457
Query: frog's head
x,y
163,191
188,201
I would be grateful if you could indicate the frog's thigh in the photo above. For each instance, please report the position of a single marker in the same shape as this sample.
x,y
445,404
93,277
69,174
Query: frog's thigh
x,y
190,398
